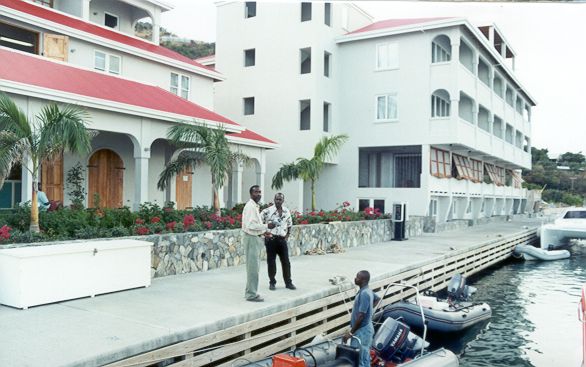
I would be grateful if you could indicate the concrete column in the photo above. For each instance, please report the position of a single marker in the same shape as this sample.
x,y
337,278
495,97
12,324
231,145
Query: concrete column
x,y
261,170
141,180
156,32
237,183
85,10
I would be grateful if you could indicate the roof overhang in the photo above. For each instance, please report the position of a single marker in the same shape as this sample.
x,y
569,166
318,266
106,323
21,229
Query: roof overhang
x,y
107,105
252,143
442,23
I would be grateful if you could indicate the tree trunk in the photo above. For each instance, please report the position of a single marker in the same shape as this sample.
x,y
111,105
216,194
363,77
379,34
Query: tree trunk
x,y
216,198
34,226
313,205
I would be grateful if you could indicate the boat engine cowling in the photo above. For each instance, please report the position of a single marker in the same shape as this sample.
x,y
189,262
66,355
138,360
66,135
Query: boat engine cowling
x,y
394,342
458,290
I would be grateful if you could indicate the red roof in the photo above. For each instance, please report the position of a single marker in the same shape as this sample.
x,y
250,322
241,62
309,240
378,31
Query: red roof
x,y
33,70
251,135
394,23
76,23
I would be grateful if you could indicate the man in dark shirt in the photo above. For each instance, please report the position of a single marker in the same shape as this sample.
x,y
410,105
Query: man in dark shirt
x,y
361,320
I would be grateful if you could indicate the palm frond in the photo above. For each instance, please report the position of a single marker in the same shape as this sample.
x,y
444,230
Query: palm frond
x,y
329,146
186,160
13,119
287,172
63,129
309,169
187,136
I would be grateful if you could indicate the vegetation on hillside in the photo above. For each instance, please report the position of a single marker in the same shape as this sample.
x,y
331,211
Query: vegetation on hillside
x,y
189,48
564,178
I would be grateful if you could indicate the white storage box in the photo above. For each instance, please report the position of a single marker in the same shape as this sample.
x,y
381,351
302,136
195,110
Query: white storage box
x,y
37,275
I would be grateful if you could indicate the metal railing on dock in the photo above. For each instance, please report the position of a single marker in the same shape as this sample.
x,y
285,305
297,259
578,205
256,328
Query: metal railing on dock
x,y
287,329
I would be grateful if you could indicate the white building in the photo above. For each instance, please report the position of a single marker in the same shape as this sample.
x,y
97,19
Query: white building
x,y
85,53
435,114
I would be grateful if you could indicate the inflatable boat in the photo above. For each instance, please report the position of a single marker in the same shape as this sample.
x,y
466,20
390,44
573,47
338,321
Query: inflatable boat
x,y
529,252
453,314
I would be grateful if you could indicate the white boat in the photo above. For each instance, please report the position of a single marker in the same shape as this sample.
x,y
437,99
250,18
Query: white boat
x,y
529,252
571,224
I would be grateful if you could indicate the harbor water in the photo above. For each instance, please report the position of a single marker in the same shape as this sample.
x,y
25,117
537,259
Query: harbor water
x,y
534,315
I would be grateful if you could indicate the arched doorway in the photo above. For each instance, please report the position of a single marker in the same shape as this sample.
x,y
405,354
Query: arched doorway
x,y
183,187
106,178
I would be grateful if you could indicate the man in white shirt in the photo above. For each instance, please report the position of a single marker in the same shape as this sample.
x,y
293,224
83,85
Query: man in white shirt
x,y
276,243
254,232
42,199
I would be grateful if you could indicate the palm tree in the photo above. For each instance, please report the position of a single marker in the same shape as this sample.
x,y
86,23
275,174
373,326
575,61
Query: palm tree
x,y
206,146
54,130
310,169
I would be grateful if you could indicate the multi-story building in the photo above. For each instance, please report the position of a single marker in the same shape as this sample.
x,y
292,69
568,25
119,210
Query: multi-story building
x,y
86,53
435,114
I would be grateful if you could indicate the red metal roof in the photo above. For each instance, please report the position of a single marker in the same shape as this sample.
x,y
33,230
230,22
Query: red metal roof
x,y
394,23
33,70
251,135
79,24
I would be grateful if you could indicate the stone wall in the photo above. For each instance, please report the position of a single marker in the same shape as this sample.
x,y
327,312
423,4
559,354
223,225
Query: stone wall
x,y
201,251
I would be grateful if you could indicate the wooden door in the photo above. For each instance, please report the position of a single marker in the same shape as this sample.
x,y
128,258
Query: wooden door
x,y
56,47
183,186
52,178
106,178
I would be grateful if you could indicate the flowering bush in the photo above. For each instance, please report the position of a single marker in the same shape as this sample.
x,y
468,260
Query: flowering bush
x,y
67,224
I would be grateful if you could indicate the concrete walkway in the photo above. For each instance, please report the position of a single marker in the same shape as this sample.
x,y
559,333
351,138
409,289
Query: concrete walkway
x,y
101,330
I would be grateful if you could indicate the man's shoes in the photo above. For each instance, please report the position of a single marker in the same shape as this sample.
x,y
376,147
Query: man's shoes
x,y
258,298
291,286
272,287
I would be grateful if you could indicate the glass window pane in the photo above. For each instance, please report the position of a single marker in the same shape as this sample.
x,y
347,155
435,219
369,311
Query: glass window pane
x,y
381,108
100,61
392,107
114,64
174,80
184,82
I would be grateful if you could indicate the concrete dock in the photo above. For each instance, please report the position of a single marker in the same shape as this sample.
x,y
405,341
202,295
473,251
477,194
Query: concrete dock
x,y
107,328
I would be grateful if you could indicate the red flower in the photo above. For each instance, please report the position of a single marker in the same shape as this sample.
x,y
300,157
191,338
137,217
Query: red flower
x,y
304,222
142,230
5,232
208,225
168,209
139,221
346,204
188,220
155,220
368,211
171,226
231,220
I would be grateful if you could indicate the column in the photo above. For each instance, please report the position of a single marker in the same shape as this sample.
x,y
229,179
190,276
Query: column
x,y
85,10
141,179
156,32
26,193
237,183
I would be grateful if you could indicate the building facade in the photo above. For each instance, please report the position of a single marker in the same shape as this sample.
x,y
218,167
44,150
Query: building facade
x,y
85,52
435,114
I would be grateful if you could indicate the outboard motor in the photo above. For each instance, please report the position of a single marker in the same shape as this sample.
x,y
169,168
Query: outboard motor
x,y
458,290
394,342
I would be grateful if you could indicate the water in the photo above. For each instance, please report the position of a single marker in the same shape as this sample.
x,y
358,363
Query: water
x,y
534,315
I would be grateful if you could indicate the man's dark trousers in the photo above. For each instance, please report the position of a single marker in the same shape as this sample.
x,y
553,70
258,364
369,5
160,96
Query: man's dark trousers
x,y
277,245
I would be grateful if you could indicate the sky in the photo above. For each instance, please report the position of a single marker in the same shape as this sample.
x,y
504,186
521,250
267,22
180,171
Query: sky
x,y
548,39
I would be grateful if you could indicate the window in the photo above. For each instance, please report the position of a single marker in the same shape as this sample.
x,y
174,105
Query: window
x,y
363,204
440,49
440,163
519,140
398,166
111,20
497,127
18,38
327,58
466,108
249,57
494,174
509,134
509,96
250,9
483,116
497,86
107,62
327,116
463,167
180,85
477,171
440,103
248,105
377,204
328,14
526,144
386,107
467,56
387,56
305,12
519,105
48,3
305,60
305,114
